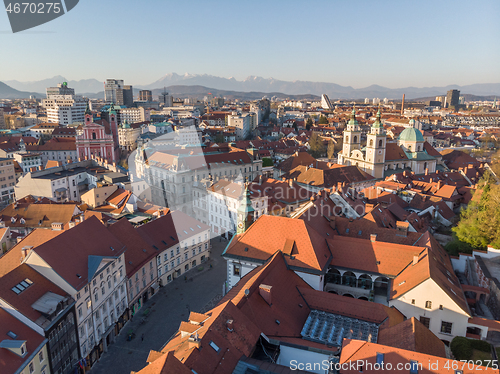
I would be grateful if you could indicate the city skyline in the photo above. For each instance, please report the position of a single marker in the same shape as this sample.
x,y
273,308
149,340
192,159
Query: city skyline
x,y
393,45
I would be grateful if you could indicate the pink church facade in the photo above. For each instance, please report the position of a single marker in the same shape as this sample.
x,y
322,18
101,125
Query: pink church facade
x,y
94,142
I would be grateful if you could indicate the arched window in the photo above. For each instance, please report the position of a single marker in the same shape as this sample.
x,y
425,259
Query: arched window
x,y
355,139
347,138
371,142
380,143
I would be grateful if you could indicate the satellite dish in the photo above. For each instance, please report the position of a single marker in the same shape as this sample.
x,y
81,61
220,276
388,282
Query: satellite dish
x,y
247,292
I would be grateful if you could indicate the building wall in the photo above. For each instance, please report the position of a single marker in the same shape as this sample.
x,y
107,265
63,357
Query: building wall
x,y
139,283
430,291
39,363
175,261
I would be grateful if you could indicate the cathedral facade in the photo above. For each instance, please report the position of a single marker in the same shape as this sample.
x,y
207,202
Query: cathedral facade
x,y
380,158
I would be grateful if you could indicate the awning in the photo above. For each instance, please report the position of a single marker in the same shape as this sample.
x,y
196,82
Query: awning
x,y
155,286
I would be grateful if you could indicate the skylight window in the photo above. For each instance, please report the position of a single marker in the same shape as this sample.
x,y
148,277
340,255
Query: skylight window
x,y
214,346
21,286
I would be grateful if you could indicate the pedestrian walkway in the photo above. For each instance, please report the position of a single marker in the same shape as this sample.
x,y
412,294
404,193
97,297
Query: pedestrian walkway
x,y
166,309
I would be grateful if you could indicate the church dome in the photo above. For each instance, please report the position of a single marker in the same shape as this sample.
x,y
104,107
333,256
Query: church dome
x,y
411,134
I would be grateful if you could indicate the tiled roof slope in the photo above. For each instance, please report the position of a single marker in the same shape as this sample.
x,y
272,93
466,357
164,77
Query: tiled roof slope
x,y
269,234
412,335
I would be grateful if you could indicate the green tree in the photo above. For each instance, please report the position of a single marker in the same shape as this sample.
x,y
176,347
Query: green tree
x,y
479,224
266,161
323,120
309,124
316,146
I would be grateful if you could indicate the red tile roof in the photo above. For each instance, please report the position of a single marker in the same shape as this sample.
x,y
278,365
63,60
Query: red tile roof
x,y
412,336
68,253
269,234
9,361
360,351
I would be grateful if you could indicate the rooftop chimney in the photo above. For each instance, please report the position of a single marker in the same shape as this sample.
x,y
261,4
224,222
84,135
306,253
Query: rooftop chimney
x,y
440,184
373,237
426,171
402,228
25,251
290,182
415,260
194,341
265,292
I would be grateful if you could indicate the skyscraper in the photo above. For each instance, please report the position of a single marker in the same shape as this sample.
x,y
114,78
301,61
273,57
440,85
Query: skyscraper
x,y
63,106
145,95
452,98
110,90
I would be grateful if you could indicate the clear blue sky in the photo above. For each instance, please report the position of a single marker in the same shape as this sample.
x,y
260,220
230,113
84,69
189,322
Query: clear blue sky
x,y
393,43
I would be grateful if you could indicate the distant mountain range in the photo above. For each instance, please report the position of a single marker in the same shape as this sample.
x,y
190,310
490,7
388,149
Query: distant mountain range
x,y
248,88
7,92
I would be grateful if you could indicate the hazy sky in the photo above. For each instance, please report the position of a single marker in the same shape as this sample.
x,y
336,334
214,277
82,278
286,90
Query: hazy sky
x,y
393,43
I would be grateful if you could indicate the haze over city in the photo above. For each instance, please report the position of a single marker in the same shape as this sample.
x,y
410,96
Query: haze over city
x,y
352,43
250,187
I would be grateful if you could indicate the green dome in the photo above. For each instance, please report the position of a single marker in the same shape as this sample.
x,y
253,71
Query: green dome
x,y
411,134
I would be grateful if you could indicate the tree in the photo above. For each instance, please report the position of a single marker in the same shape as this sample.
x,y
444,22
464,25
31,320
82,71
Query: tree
x,y
316,146
331,149
323,120
479,224
266,161
309,124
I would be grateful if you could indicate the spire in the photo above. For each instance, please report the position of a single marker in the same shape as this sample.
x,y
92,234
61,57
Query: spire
x,y
377,123
87,110
352,122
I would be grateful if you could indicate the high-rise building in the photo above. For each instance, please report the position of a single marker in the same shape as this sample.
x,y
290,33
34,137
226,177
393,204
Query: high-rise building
x,y
61,89
128,96
63,106
325,102
145,95
110,90
452,98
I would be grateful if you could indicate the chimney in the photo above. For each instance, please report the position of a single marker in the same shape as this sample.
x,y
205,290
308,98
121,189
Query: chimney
x,y
82,217
71,224
194,341
426,171
403,105
260,180
40,167
430,180
402,228
290,182
265,292
440,184
332,222
25,251
373,237
230,325
415,260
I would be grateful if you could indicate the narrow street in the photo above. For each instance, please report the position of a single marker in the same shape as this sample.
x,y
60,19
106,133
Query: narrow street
x,y
167,309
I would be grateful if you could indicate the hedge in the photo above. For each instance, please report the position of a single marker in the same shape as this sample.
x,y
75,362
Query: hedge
x,y
461,348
